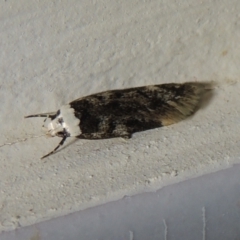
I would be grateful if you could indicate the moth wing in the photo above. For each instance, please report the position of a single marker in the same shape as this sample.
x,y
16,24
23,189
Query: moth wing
x,y
193,98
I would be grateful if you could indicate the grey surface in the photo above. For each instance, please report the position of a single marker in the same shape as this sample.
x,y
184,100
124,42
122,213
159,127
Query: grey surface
x,y
53,52
203,208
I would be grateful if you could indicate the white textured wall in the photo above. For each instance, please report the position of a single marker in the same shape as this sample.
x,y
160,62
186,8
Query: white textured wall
x,y
55,51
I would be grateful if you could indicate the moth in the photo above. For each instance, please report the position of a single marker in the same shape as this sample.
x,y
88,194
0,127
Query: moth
x,y
120,113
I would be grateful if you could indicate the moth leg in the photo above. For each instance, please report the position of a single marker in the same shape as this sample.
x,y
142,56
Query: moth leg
x,y
126,136
44,122
56,148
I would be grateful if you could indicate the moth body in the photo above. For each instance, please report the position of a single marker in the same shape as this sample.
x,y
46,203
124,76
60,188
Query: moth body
x,y
120,113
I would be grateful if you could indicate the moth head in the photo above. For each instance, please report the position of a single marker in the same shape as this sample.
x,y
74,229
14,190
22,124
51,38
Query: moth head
x,y
62,123
55,127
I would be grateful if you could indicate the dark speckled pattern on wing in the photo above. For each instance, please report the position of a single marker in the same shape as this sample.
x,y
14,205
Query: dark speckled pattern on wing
x,y
120,113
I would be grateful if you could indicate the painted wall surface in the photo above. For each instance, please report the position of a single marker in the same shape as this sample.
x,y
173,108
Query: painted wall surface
x,y
52,52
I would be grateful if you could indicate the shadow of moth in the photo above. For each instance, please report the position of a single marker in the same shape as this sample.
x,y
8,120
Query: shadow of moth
x,y
120,113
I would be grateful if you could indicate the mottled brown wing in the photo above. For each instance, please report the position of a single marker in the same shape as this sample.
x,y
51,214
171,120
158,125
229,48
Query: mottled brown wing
x,y
123,112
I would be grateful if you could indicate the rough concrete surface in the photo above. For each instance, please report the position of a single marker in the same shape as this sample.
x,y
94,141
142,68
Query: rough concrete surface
x,y
53,52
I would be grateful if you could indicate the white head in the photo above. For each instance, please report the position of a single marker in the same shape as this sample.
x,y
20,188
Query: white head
x,y
54,127
65,123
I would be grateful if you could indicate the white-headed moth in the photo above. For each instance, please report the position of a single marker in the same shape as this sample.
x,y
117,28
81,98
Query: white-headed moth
x,y
120,113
